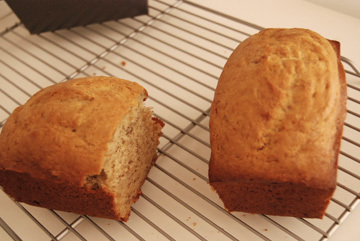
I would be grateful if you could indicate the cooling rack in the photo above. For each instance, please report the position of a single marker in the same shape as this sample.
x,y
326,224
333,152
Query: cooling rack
x,y
176,52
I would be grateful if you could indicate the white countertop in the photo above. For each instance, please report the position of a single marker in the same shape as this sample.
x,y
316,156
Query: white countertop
x,y
298,13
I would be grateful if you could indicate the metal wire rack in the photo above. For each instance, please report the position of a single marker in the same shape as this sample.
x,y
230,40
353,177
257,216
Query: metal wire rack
x,y
176,52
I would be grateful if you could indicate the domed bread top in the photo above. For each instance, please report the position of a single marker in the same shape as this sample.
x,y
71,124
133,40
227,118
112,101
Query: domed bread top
x,y
63,131
279,109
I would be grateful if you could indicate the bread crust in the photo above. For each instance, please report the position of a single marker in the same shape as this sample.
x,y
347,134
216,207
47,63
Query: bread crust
x,y
59,195
59,138
276,123
68,123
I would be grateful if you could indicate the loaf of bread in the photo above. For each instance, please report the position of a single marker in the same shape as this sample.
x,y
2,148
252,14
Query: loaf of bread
x,y
84,146
276,124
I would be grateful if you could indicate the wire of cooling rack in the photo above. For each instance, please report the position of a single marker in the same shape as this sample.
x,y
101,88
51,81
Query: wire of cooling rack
x,y
176,52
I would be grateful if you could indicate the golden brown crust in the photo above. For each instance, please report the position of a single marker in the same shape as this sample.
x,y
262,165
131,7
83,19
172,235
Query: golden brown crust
x,y
278,114
70,124
342,101
59,196
52,146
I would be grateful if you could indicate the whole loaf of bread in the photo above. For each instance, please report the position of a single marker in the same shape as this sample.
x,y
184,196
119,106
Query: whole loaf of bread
x,y
85,146
276,124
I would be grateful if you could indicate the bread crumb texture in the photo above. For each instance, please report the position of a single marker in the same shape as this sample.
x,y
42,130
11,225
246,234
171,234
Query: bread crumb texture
x,y
90,139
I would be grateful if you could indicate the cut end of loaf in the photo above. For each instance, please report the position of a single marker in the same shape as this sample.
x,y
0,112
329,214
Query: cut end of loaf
x,y
130,155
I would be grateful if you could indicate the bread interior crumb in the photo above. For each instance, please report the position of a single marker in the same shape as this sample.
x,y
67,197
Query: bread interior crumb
x,y
131,153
